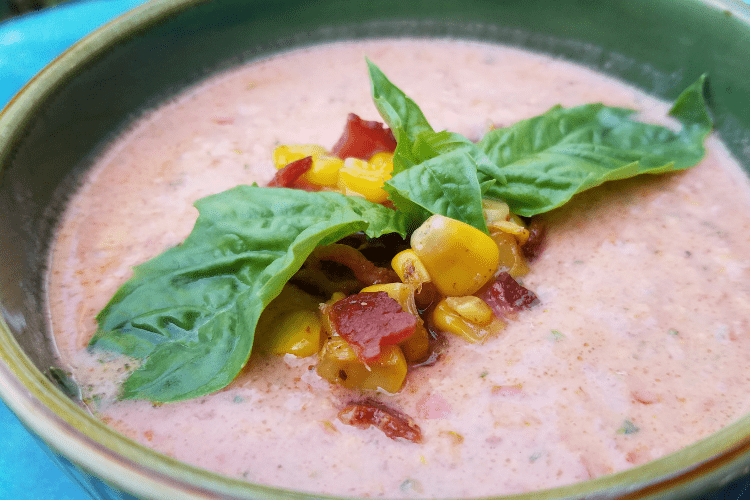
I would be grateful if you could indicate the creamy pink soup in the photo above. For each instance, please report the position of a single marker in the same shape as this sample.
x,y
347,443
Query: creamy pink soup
x,y
638,348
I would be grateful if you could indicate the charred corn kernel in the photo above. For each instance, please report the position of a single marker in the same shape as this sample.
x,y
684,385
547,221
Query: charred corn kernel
x,y
446,319
458,257
290,324
285,154
492,204
513,226
298,333
382,161
511,255
471,308
495,210
324,171
409,268
417,346
339,364
364,178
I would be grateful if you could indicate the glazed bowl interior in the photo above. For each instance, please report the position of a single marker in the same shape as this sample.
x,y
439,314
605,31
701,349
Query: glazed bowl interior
x,y
57,124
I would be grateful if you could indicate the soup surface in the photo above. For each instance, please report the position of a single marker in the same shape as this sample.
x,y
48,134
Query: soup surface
x,y
638,348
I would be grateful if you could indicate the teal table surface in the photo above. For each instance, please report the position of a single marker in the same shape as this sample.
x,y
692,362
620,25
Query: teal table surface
x,y
27,44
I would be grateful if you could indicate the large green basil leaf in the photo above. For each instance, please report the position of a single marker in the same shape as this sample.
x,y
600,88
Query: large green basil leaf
x,y
446,185
401,114
537,164
191,311
417,187
547,159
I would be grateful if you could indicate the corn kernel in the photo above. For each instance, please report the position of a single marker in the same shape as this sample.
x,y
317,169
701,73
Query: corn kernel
x,y
417,346
382,161
446,319
287,153
458,257
365,178
492,204
290,324
519,232
324,171
297,332
409,268
339,364
471,308
511,255
495,210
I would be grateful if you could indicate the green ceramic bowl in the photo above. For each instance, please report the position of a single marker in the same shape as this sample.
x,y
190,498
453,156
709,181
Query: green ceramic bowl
x,y
52,128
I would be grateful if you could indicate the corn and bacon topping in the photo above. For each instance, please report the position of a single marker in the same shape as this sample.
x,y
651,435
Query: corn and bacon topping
x,y
367,323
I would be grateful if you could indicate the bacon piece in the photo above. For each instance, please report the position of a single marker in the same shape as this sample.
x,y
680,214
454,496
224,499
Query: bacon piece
x,y
287,176
535,244
506,297
364,270
369,320
395,424
362,139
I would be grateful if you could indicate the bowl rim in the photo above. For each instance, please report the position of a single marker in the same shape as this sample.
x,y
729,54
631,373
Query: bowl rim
x,y
74,433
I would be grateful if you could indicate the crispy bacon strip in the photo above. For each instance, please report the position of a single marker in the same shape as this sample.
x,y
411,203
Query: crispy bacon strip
x,y
362,139
370,320
364,270
395,424
506,297
287,176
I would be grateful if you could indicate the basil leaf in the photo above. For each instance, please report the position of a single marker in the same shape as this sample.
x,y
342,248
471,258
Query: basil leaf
x,y
537,164
401,114
191,311
421,193
446,185
547,159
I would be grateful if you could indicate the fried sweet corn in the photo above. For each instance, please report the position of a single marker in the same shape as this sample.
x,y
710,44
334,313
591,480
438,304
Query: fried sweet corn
x,y
410,269
324,170
365,178
287,153
499,218
290,324
445,318
495,210
298,333
511,255
471,308
339,364
459,258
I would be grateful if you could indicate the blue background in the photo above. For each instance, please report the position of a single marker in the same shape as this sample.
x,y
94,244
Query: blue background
x,y
27,44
